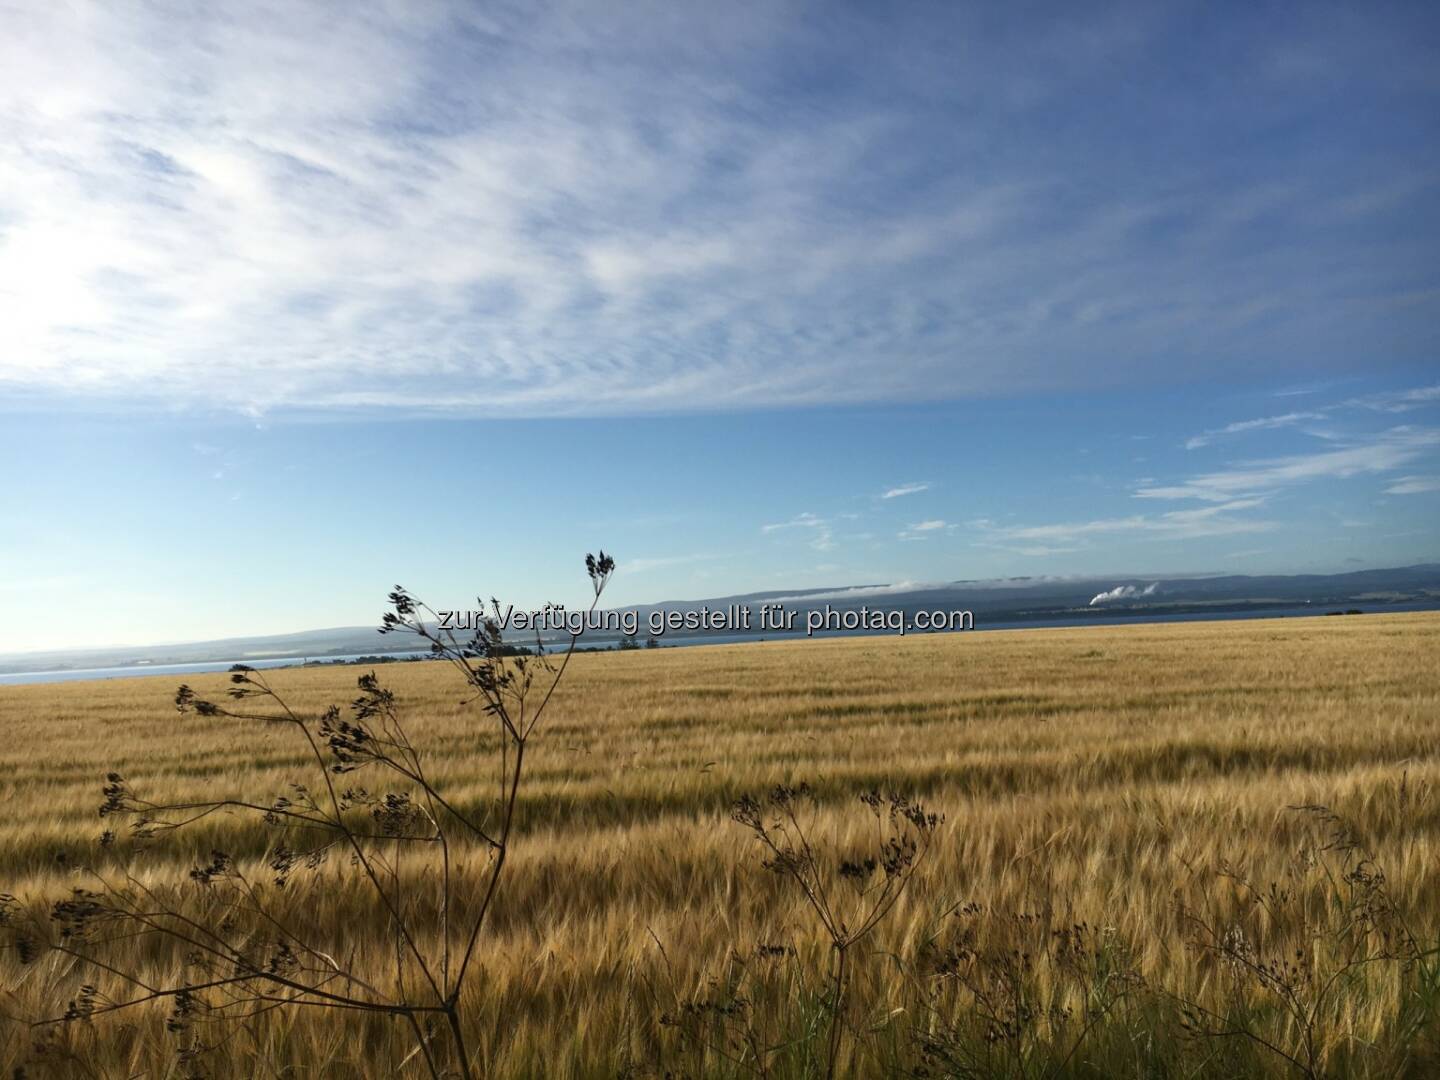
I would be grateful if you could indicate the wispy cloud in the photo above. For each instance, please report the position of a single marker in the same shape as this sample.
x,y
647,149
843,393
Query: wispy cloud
x,y
1399,401
854,593
1266,423
1219,520
1378,453
806,520
824,538
536,210
644,565
1414,485
921,530
906,489
1037,551
1235,496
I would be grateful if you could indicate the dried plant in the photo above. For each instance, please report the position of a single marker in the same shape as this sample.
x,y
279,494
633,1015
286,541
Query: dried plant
x,y
847,892
1289,965
1009,992
730,1025
246,945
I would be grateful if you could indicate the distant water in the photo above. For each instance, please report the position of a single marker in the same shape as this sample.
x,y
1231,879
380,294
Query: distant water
x,y
1077,622
132,670
173,670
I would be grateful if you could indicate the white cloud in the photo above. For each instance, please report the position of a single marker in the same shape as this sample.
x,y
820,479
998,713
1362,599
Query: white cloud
x,y
1266,423
1231,493
856,592
1039,551
824,539
1414,485
1218,520
806,520
542,210
923,529
1399,401
905,489
1376,454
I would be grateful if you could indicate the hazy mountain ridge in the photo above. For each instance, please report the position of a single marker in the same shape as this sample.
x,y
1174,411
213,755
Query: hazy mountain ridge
x,y
1004,600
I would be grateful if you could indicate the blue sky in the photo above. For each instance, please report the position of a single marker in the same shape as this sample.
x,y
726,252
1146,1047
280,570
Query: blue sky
x,y
297,303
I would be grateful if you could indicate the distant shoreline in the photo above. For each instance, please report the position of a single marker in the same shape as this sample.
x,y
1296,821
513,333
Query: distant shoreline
x,y
608,644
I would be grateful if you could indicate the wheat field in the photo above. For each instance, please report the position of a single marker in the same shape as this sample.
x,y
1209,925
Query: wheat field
x,y
1114,800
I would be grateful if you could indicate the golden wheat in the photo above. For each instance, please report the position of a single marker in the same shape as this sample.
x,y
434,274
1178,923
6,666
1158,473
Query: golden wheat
x,y
1100,777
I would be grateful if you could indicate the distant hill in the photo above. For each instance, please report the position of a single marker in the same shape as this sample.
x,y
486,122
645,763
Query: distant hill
x,y
1005,601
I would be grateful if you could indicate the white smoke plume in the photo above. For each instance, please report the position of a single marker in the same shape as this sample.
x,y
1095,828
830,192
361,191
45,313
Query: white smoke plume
x,y
1124,592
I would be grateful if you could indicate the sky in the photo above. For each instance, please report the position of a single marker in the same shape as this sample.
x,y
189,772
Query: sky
x,y
298,302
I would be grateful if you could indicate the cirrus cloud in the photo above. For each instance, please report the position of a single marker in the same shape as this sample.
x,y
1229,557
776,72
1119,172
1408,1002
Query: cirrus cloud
x,y
537,210
905,489
1382,452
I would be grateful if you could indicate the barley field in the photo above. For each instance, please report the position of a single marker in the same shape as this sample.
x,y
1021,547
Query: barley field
x,y
1184,850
